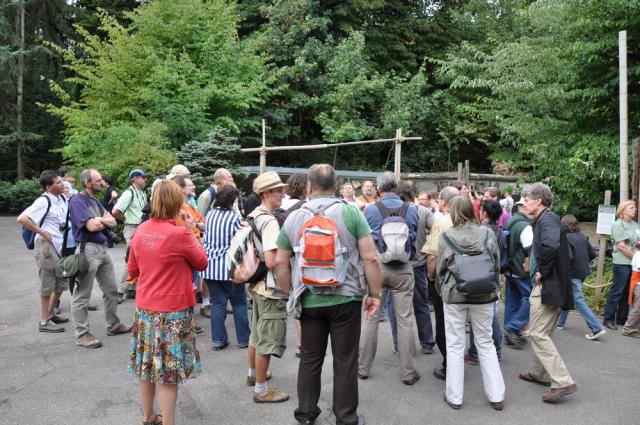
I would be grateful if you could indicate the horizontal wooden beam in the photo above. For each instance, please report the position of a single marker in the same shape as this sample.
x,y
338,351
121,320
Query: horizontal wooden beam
x,y
324,145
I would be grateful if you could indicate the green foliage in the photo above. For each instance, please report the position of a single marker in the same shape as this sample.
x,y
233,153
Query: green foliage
x,y
597,303
202,158
173,74
15,197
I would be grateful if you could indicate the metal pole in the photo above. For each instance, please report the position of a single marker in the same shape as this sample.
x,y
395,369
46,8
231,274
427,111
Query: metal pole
x,y
624,120
263,150
396,168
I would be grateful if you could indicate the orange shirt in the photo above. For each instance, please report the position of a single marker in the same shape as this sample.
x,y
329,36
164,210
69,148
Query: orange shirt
x,y
195,216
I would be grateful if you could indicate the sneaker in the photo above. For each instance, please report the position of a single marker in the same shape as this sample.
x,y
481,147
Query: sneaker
x,y
120,298
205,310
199,330
273,395
88,341
470,360
50,326
251,380
92,306
560,327
413,380
611,326
59,319
593,336
121,329
427,350
440,373
508,338
395,349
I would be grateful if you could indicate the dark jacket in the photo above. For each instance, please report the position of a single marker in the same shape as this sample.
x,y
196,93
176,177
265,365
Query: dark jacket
x,y
582,253
553,260
516,225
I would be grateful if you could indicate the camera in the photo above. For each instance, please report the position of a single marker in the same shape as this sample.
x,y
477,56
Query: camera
x,y
112,237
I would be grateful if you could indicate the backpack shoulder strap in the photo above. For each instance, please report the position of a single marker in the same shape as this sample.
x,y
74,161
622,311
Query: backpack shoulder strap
x,y
383,210
47,211
402,212
450,244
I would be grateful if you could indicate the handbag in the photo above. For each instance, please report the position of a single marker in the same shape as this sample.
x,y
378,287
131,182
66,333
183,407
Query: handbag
x,y
474,273
73,265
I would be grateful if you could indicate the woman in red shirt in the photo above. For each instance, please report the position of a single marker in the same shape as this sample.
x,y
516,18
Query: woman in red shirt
x,y
163,344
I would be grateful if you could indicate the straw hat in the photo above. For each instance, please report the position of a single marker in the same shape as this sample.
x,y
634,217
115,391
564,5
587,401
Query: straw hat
x,y
178,170
267,181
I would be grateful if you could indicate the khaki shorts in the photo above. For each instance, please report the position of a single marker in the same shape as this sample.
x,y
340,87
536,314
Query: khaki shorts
x,y
46,259
268,326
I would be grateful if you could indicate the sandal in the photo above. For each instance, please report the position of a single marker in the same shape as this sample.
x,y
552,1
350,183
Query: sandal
x,y
157,420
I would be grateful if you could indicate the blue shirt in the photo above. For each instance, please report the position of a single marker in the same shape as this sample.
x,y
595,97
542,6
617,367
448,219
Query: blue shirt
x,y
392,201
82,208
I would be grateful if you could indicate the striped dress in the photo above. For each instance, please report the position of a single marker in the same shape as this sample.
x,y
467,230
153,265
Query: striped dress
x,y
220,226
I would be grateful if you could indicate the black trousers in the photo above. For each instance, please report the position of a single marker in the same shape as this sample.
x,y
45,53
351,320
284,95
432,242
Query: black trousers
x,y
342,323
438,310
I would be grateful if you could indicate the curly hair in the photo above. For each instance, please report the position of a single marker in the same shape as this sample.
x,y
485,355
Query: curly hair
x,y
297,188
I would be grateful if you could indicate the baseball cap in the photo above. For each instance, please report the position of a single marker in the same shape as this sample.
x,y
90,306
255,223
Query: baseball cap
x,y
137,173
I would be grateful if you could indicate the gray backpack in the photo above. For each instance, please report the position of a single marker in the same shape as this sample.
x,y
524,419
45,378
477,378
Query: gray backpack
x,y
394,243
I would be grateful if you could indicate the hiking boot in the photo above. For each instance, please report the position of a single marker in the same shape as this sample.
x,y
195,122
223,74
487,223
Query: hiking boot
x,y
121,329
251,380
50,326
59,319
556,394
273,395
88,341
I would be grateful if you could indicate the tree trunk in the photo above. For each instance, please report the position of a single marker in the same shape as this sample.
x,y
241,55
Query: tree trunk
x,y
20,84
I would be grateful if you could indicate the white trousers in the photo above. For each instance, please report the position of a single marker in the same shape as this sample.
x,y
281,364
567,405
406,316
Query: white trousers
x,y
481,320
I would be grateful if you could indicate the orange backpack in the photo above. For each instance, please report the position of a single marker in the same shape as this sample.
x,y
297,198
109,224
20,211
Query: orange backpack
x,y
320,256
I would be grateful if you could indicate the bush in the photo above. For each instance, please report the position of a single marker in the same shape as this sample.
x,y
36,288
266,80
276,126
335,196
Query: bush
x,y
15,197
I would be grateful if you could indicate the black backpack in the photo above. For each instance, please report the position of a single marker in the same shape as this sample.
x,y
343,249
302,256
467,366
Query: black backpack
x,y
474,273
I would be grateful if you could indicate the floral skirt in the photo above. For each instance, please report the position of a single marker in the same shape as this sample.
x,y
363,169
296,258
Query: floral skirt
x,y
163,347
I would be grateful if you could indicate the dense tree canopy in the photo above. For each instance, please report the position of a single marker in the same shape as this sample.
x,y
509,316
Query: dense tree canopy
x,y
529,85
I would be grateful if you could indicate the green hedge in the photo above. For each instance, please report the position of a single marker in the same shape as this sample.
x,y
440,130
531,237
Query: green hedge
x,y
15,197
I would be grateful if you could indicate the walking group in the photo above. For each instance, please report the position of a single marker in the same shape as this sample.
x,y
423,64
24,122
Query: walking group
x,y
338,266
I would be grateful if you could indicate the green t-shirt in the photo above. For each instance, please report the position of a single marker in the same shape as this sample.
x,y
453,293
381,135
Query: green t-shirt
x,y
357,225
623,231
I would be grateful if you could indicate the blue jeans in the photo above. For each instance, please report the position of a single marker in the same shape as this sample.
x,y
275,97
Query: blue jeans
x,y
617,308
581,305
497,336
420,310
219,292
516,303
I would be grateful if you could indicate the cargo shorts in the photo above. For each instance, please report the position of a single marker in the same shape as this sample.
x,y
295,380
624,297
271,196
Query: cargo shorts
x,y
268,326
46,260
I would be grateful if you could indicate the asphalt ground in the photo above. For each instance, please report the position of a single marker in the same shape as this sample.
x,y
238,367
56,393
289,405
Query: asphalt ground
x,y
46,379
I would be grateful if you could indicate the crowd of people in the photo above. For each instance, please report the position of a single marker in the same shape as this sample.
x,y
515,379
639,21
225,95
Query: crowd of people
x,y
297,250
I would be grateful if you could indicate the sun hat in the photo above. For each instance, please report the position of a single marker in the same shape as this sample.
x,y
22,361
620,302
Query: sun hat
x,y
267,181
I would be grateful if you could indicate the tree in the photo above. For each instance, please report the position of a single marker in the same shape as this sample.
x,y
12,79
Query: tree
x,y
204,157
176,72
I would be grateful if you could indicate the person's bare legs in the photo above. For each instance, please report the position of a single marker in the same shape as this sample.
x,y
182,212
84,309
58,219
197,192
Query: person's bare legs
x,y
251,350
147,391
168,397
55,297
262,366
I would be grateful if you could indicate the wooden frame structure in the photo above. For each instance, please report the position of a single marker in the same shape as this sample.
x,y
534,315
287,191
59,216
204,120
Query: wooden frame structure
x,y
398,140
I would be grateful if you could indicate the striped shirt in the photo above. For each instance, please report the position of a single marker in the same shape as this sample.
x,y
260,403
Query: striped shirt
x,y
220,226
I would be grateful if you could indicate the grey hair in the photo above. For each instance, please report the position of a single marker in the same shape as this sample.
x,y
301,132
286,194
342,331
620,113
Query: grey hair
x,y
387,182
85,177
539,191
448,193
219,174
